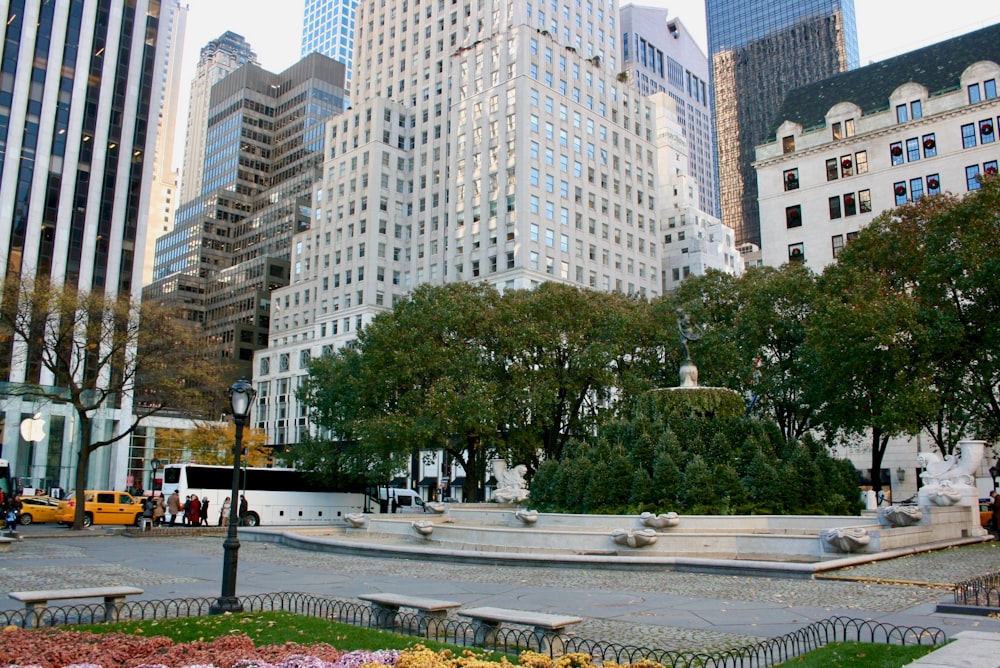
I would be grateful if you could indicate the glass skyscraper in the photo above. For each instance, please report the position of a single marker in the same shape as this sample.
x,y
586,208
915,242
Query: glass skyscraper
x,y
328,28
760,50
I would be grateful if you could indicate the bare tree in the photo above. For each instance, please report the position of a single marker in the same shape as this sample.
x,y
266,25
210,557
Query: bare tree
x,y
98,354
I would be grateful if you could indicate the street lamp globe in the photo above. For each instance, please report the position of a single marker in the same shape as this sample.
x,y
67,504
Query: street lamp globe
x,y
241,396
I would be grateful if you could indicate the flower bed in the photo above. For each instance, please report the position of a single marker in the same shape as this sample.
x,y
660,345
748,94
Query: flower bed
x,y
51,648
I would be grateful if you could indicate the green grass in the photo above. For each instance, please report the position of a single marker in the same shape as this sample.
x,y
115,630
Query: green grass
x,y
276,628
272,628
859,655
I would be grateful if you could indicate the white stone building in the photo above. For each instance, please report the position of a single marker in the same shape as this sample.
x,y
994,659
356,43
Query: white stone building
x,y
854,145
486,142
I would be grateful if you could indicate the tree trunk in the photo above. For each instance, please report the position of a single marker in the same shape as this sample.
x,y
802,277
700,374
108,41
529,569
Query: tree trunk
x,y
82,468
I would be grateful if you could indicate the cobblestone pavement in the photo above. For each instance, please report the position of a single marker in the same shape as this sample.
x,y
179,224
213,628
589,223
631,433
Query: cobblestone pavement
x,y
870,589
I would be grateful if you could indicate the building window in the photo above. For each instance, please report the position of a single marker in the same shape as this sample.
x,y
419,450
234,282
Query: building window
x,y
916,109
901,114
969,136
972,177
788,144
974,93
837,241
265,366
912,149
930,145
916,189
986,134
896,153
850,205
899,191
834,207
933,184
990,167
796,252
846,165
861,162
791,179
990,88
793,216
832,172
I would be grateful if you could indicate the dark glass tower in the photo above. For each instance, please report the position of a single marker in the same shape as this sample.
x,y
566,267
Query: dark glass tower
x,y
760,50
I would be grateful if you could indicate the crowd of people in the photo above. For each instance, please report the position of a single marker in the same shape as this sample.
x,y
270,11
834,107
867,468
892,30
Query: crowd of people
x,y
191,512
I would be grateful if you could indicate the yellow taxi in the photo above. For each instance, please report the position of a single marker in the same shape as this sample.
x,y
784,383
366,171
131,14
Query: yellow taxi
x,y
38,509
102,507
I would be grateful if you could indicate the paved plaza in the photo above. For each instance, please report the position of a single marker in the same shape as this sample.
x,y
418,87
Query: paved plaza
x,y
661,609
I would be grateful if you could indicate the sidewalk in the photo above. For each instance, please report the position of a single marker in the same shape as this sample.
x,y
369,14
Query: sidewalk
x,y
663,609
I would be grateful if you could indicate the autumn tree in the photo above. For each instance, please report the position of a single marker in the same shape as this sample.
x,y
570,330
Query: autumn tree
x,y
212,443
99,353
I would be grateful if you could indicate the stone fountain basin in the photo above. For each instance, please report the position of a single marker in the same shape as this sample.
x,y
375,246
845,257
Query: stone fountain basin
x,y
775,538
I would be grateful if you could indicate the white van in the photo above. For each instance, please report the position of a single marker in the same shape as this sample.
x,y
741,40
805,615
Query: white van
x,y
406,500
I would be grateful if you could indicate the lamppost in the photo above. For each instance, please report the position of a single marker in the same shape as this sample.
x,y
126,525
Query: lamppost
x,y
154,466
241,396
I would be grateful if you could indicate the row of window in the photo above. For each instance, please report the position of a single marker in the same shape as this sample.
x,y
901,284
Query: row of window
x,y
796,251
931,185
848,204
842,167
901,153
985,129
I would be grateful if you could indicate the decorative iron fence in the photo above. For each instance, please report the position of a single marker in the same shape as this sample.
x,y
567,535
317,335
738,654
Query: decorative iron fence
x,y
507,640
983,591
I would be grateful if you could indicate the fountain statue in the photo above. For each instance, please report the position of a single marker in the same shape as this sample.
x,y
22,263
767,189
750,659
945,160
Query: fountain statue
x,y
689,332
510,482
952,481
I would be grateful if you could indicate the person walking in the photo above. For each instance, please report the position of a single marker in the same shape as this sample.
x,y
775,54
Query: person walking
x,y
174,506
203,512
244,507
159,509
995,517
224,513
194,511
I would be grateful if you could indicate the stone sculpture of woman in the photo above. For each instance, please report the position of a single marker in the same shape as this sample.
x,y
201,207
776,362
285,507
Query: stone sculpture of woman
x,y
689,332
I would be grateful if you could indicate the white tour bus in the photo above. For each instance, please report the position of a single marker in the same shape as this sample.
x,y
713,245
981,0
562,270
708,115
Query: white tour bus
x,y
274,496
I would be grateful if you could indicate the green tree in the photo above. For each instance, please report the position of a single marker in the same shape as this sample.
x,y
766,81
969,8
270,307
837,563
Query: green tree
x,y
102,353
941,256
566,355
422,377
861,339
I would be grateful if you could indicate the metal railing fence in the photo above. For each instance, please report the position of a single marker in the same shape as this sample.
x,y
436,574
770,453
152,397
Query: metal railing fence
x,y
508,639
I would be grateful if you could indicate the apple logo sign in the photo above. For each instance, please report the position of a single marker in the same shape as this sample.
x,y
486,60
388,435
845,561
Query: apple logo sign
x,y
33,428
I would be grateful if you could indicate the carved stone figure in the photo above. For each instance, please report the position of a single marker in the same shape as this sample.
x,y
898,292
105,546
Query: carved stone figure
x,y
849,539
423,527
511,487
435,507
952,481
526,516
943,494
901,516
660,521
634,537
355,520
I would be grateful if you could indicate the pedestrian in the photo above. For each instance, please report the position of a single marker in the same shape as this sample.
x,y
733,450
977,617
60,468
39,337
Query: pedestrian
x,y
244,507
159,508
194,511
224,513
995,517
174,506
13,515
203,512
186,510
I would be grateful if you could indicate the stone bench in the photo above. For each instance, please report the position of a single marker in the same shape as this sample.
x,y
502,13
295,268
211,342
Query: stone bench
x,y
546,627
430,611
33,601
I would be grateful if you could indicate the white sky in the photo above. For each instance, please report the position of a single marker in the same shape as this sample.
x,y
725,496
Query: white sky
x,y
885,28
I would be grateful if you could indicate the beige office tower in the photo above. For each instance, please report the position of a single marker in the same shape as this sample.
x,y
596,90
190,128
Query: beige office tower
x,y
163,194
218,58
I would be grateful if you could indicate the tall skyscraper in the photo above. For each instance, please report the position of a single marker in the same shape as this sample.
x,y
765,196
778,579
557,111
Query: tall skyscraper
x,y
78,96
760,50
217,59
164,193
230,245
328,28
489,142
660,55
